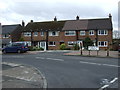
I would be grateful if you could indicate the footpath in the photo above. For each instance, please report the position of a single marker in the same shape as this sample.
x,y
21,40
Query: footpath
x,y
112,54
21,76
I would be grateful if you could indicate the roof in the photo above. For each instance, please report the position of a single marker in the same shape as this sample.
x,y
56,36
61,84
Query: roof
x,y
82,24
9,28
40,26
6,41
87,24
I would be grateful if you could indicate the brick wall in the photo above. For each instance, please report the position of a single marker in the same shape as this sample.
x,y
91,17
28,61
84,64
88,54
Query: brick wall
x,y
62,38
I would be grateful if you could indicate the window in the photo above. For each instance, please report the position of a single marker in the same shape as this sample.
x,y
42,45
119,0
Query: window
x,y
91,32
82,32
70,33
52,43
42,33
27,34
102,43
53,33
35,33
6,35
102,32
71,43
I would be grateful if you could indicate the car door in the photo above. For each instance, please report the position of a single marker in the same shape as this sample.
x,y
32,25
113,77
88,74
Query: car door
x,y
11,48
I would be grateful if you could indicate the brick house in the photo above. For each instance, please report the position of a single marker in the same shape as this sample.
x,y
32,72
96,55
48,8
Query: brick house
x,y
50,35
10,33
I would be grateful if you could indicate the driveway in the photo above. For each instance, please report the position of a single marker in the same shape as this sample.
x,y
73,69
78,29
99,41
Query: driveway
x,y
69,71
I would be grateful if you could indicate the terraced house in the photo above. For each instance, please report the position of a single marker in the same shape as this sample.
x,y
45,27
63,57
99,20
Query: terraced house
x,y
51,34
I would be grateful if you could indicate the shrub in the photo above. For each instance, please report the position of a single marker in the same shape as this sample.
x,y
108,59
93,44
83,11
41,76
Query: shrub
x,y
35,48
62,47
87,42
76,47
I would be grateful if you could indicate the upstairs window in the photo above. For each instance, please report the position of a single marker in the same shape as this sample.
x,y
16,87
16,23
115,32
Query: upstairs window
x,y
27,34
53,33
70,33
82,32
91,32
42,33
102,32
35,33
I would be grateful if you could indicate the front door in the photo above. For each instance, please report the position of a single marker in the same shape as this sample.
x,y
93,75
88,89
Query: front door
x,y
43,45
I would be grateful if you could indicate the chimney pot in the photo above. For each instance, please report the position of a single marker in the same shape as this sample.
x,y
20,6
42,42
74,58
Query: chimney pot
x,y
55,19
77,17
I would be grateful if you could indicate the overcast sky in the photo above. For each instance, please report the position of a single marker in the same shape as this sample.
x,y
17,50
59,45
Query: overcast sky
x,y
14,11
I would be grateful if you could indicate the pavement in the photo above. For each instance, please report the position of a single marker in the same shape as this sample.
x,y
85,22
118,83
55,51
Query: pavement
x,y
21,76
112,54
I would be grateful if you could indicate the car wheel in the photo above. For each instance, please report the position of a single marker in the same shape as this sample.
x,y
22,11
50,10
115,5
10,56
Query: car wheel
x,y
4,51
19,51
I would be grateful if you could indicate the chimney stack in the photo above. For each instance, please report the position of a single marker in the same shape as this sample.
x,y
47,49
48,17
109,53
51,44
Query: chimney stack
x,y
77,17
55,19
110,16
31,21
23,23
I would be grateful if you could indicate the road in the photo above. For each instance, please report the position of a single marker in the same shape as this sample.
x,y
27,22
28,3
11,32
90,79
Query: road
x,y
69,71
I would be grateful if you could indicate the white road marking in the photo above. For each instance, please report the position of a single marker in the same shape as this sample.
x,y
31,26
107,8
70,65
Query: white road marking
x,y
111,82
11,64
55,59
40,58
99,64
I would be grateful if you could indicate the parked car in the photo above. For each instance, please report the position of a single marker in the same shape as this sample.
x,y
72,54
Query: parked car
x,y
18,47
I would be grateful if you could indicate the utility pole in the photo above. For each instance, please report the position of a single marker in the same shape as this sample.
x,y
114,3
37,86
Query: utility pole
x,y
46,39
108,49
81,48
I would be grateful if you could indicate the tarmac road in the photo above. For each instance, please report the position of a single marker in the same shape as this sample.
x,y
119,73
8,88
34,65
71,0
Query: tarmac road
x,y
69,71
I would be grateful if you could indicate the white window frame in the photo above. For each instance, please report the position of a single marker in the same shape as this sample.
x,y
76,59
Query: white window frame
x,y
35,34
27,34
5,36
51,33
69,33
91,32
105,32
73,42
42,33
82,33
53,43
105,43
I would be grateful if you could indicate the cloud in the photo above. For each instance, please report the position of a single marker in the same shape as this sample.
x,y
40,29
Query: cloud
x,y
42,10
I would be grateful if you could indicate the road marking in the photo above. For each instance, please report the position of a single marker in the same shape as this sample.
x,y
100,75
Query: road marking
x,y
111,82
55,59
39,57
11,64
99,64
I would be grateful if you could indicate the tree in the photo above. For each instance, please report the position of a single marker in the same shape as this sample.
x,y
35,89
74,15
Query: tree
x,y
87,42
21,39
